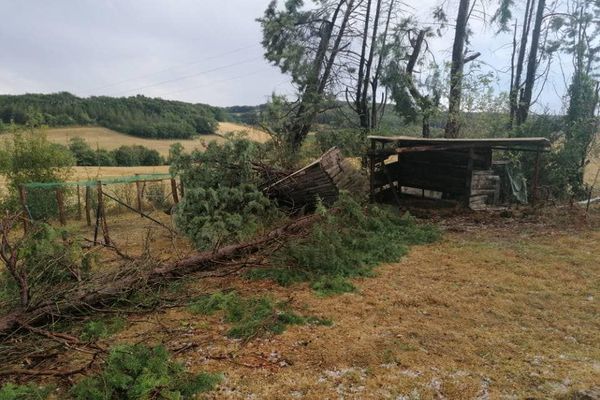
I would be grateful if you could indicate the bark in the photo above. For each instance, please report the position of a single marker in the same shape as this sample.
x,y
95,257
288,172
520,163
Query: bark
x,y
532,64
308,108
424,102
108,289
456,70
518,68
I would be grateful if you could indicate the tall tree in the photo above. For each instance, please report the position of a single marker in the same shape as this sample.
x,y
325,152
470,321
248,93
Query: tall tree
x,y
459,59
532,65
305,44
414,98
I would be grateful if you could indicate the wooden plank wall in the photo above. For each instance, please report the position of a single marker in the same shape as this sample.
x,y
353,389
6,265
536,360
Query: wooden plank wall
x,y
442,171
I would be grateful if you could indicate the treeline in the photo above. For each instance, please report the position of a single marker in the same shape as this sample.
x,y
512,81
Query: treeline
x,y
138,116
124,156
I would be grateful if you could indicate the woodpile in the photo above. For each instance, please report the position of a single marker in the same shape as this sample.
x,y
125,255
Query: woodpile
x,y
485,189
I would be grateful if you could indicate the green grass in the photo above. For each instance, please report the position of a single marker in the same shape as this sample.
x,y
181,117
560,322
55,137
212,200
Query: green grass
x,y
251,317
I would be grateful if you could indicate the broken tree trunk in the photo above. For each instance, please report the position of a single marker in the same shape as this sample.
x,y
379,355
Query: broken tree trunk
x,y
108,288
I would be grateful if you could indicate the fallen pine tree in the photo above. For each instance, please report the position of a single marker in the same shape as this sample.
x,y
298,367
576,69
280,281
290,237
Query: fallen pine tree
x,y
108,288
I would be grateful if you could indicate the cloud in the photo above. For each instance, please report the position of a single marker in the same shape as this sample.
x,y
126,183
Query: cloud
x,y
192,50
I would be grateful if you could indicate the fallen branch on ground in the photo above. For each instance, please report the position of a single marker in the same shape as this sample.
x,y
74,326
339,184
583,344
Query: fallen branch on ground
x,y
110,288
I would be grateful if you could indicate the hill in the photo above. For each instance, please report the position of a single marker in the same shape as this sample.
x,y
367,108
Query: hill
x,y
104,138
138,116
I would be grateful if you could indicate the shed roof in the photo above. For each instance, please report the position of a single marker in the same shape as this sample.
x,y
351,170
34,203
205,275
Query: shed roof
x,y
409,141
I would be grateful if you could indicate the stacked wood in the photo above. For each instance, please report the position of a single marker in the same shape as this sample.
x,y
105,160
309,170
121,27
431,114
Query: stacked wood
x,y
324,178
485,189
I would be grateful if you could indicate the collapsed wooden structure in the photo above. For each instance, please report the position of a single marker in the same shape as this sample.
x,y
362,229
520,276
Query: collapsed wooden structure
x,y
324,178
454,168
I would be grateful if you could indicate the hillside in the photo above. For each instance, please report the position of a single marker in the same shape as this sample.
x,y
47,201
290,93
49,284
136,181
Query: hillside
x,y
103,138
138,116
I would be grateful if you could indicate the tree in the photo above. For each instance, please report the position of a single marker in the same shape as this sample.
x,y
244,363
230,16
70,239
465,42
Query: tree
x,y
305,44
413,98
459,59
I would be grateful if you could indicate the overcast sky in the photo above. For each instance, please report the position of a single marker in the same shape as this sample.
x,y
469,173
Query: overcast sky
x,y
193,50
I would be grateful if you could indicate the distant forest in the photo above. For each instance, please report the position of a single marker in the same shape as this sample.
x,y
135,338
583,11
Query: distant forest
x,y
138,116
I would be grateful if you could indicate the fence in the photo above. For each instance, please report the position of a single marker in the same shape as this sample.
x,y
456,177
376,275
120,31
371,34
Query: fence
x,y
93,200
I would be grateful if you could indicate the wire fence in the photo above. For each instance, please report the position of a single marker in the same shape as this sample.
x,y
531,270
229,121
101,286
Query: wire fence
x,y
89,202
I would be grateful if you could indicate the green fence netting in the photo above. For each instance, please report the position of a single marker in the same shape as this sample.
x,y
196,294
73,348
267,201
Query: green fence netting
x,y
94,182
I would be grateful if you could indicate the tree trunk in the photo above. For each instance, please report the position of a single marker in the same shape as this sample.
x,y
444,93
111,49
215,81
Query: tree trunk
x,y
518,68
456,70
532,64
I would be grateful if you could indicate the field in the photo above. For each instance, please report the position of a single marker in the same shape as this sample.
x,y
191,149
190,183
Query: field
x,y
104,138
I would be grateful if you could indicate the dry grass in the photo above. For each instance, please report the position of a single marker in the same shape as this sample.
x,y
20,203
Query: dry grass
x,y
506,311
104,138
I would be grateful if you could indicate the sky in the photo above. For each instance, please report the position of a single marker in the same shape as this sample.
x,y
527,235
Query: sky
x,y
199,51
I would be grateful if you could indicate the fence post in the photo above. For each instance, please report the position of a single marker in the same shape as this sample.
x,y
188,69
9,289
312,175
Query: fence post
x,y
23,198
138,188
78,203
61,206
101,219
88,218
174,190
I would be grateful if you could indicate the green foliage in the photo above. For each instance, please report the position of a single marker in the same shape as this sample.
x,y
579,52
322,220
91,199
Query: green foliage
x,y
352,142
251,317
138,116
221,202
124,156
214,216
30,157
50,257
10,391
141,372
101,329
349,241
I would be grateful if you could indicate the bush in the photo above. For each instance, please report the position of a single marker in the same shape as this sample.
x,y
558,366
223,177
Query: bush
x,y
141,372
101,329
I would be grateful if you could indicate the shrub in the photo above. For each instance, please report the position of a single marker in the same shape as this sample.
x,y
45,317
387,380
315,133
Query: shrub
x,y
352,142
141,372
251,317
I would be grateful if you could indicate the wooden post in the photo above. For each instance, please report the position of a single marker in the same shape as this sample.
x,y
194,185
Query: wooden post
x,y
88,206
372,172
469,179
536,177
61,206
101,218
174,190
78,203
23,199
138,188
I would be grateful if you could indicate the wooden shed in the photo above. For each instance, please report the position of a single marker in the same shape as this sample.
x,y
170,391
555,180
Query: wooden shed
x,y
459,169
